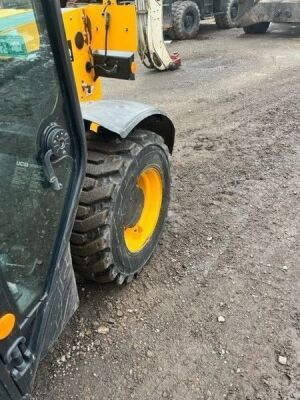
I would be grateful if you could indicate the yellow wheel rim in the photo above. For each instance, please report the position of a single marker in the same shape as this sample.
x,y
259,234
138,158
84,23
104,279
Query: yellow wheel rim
x,y
151,184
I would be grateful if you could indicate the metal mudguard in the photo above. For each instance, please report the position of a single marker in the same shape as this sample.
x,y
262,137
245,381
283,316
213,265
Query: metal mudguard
x,y
122,117
254,11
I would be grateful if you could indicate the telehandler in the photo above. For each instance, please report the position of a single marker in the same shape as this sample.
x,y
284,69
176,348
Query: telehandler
x,y
85,182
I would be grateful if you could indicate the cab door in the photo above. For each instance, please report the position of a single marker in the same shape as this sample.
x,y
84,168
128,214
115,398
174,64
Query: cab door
x,y
42,159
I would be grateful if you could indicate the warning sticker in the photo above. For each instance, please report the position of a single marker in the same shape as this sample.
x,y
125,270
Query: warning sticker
x,y
29,177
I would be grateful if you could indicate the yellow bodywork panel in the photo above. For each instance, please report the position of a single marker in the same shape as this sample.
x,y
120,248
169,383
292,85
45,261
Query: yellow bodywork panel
x,y
122,33
85,31
19,35
74,22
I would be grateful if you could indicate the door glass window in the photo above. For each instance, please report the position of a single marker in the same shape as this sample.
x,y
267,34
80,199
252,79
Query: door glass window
x,y
30,104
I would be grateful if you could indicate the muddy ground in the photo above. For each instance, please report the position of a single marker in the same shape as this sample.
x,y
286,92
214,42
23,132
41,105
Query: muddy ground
x,y
231,247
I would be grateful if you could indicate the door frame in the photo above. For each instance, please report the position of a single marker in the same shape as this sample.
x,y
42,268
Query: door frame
x,y
71,108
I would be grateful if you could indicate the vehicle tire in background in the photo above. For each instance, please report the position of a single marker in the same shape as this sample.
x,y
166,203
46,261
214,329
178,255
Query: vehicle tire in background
x,y
186,20
123,206
227,19
259,28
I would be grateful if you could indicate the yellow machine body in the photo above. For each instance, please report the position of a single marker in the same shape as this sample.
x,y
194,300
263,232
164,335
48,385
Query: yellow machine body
x,y
88,22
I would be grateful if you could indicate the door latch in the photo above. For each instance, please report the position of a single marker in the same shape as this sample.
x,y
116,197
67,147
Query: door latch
x,y
55,147
20,358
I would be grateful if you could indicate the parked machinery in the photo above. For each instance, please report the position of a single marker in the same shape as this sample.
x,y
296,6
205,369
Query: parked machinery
x,y
182,17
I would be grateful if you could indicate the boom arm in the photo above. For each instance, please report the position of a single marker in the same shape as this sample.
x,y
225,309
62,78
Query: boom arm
x,y
152,48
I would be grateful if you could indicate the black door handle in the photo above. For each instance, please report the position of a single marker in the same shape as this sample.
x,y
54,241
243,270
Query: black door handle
x,y
55,147
49,171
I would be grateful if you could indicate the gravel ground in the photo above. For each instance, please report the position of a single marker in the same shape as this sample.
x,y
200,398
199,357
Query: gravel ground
x,y
215,315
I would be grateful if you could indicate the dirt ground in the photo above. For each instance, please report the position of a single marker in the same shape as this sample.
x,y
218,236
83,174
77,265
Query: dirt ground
x,y
219,302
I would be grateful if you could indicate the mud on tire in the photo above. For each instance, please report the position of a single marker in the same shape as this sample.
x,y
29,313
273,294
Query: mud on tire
x,y
99,251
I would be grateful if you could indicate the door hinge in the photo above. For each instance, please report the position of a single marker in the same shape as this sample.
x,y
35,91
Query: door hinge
x,y
19,358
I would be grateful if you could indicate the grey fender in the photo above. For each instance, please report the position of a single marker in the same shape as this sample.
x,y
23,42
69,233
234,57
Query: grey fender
x,y
122,117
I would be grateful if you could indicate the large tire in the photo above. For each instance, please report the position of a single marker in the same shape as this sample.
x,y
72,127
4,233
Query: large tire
x,y
111,200
186,20
258,29
227,19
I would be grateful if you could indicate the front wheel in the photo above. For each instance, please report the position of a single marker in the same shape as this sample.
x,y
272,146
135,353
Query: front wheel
x,y
123,206
259,28
186,20
227,19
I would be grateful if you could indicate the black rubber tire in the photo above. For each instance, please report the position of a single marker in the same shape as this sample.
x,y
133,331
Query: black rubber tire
x,y
98,246
226,20
258,29
181,10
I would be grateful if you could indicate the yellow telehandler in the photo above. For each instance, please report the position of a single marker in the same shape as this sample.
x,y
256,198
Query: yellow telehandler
x,y
85,182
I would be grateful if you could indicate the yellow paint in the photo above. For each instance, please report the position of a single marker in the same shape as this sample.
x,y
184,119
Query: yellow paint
x,y
31,35
136,237
74,22
7,324
122,36
94,127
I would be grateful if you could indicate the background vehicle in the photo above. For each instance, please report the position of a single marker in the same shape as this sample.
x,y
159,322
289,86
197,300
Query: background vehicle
x,y
256,17
152,48
182,17
111,157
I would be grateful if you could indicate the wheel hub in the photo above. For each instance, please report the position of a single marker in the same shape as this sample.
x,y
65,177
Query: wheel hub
x,y
143,211
134,207
189,21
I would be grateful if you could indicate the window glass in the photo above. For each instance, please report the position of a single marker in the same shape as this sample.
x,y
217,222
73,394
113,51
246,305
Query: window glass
x,y
30,101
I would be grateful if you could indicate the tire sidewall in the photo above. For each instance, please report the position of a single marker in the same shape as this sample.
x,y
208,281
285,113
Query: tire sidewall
x,y
125,262
231,21
225,20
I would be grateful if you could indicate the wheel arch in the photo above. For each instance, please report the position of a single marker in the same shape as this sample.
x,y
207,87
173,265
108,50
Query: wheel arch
x,y
122,117
162,126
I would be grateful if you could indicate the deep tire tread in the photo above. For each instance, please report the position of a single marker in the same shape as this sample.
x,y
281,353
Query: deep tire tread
x,y
224,21
178,10
107,164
